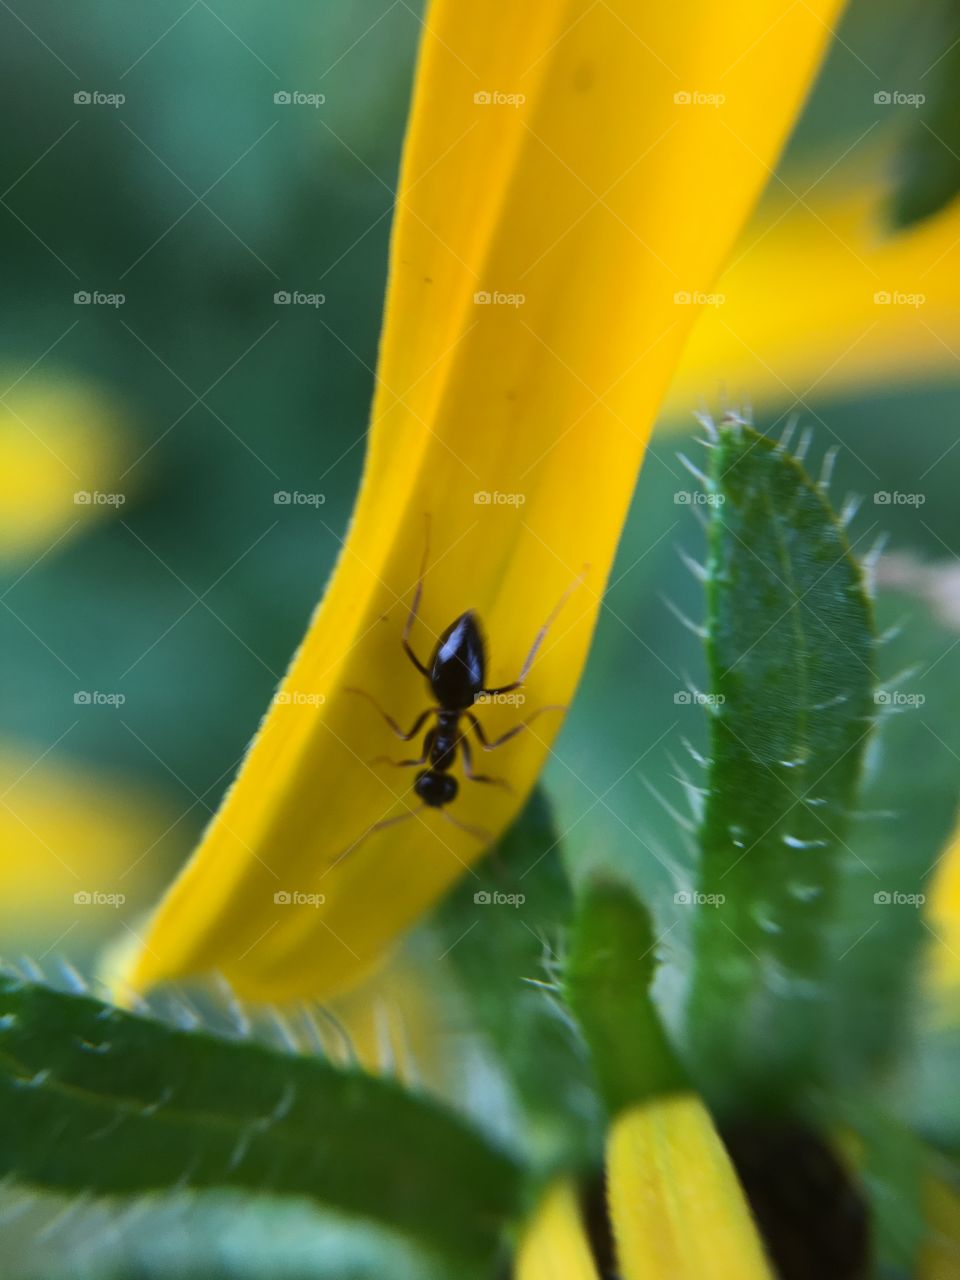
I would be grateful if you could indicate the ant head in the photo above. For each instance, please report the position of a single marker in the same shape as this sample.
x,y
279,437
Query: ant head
x,y
435,789
458,666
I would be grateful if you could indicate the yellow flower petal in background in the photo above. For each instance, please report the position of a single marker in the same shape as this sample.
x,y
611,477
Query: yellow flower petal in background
x,y
821,298
61,452
675,1202
940,1254
65,832
568,171
555,1244
943,915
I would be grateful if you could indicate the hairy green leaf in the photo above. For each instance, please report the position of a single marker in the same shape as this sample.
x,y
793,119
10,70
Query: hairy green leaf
x,y
790,659
95,1099
607,984
499,930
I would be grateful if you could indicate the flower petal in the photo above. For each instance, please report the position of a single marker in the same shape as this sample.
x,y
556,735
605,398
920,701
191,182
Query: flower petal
x,y
676,1205
818,298
555,1244
561,155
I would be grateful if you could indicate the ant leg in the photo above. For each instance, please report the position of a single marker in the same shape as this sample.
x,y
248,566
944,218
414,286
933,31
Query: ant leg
x,y
404,737
405,764
478,833
487,745
415,606
365,835
478,777
537,642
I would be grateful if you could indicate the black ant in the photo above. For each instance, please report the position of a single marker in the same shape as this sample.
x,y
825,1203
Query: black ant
x,y
456,676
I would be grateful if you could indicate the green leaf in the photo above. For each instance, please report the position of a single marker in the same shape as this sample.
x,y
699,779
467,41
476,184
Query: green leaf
x,y
790,660
607,984
95,1099
928,163
498,929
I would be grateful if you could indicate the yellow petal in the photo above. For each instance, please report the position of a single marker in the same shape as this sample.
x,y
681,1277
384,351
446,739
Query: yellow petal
x,y
555,1244
73,842
943,920
940,1254
819,298
597,197
61,456
676,1205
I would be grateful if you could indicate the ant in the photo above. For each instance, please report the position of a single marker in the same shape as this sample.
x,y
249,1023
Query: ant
x,y
456,677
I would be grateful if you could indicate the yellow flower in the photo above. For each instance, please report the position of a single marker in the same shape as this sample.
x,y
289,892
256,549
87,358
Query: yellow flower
x,y
73,845
675,1205
819,297
61,454
571,175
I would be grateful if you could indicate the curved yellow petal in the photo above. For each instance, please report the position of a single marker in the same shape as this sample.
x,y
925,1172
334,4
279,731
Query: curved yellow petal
x,y
676,1205
557,191
555,1244
61,455
820,298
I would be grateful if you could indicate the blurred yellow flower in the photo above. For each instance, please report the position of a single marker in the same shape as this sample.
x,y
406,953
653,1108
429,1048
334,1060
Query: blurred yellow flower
x,y
62,449
569,173
820,298
73,842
